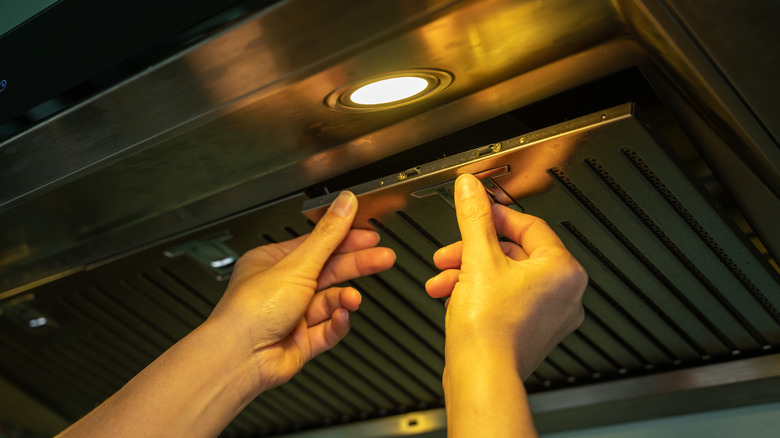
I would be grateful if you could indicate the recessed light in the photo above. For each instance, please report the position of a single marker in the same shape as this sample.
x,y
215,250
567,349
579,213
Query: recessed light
x,y
389,90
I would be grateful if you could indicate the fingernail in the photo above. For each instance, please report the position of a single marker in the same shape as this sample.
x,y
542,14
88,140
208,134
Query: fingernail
x,y
344,205
466,186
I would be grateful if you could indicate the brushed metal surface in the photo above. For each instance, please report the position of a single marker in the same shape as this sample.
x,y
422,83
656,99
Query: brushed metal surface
x,y
673,48
239,120
674,393
741,40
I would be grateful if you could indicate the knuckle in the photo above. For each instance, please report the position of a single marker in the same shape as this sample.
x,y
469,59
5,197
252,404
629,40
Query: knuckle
x,y
539,221
473,212
327,227
240,262
576,318
245,259
580,276
575,277
579,317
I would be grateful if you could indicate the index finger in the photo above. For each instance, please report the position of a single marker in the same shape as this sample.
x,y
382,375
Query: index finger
x,y
530,232
356,240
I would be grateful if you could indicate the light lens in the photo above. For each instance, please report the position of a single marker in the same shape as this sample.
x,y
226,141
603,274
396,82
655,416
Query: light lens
x,y
389,90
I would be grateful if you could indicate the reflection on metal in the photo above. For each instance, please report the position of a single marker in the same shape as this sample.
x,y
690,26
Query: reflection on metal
x,y
211,253
421,424
23,313
710,387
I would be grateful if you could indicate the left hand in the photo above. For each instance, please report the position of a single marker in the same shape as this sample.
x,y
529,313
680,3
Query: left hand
x,y
280,303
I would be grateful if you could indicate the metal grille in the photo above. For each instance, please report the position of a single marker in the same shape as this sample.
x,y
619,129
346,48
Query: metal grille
x,y
673,284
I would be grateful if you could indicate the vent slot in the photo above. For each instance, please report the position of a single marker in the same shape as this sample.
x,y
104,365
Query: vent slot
x,y
654,307
651,177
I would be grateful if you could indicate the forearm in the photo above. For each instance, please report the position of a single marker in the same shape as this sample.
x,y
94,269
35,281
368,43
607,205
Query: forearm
x,y
484,393
194,389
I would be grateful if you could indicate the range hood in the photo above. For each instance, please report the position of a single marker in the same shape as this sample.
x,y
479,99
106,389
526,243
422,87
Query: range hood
x,y
646,137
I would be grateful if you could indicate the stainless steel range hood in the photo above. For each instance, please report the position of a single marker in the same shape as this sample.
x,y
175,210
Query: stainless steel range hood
x,y
113,208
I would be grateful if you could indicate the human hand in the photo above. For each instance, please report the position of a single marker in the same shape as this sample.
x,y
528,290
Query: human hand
x,y
279,303
524,295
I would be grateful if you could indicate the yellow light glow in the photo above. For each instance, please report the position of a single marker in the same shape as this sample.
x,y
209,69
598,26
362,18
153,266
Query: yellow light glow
x,y
389,90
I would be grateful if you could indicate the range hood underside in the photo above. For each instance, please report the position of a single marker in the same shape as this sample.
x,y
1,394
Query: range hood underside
x,y
147,177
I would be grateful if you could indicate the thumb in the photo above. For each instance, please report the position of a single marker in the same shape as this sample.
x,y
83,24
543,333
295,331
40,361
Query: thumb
x,y
313,252
475,220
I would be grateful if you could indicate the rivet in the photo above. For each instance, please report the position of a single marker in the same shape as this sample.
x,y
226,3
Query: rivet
x,y
402,176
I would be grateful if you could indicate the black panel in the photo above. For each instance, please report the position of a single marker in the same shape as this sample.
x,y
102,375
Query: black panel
x,y
77,48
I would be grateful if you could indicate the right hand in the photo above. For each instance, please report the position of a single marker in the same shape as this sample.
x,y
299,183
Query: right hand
x,y
524,295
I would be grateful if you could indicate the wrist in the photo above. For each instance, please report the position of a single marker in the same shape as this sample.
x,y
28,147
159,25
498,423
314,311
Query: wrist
x,y
483,389
478,349
234,356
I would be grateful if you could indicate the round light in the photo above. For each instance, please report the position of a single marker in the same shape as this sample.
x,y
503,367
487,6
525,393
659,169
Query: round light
x,y
389,90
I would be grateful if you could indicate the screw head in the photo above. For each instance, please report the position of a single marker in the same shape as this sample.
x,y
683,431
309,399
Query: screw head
x,y
402,176
495,147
